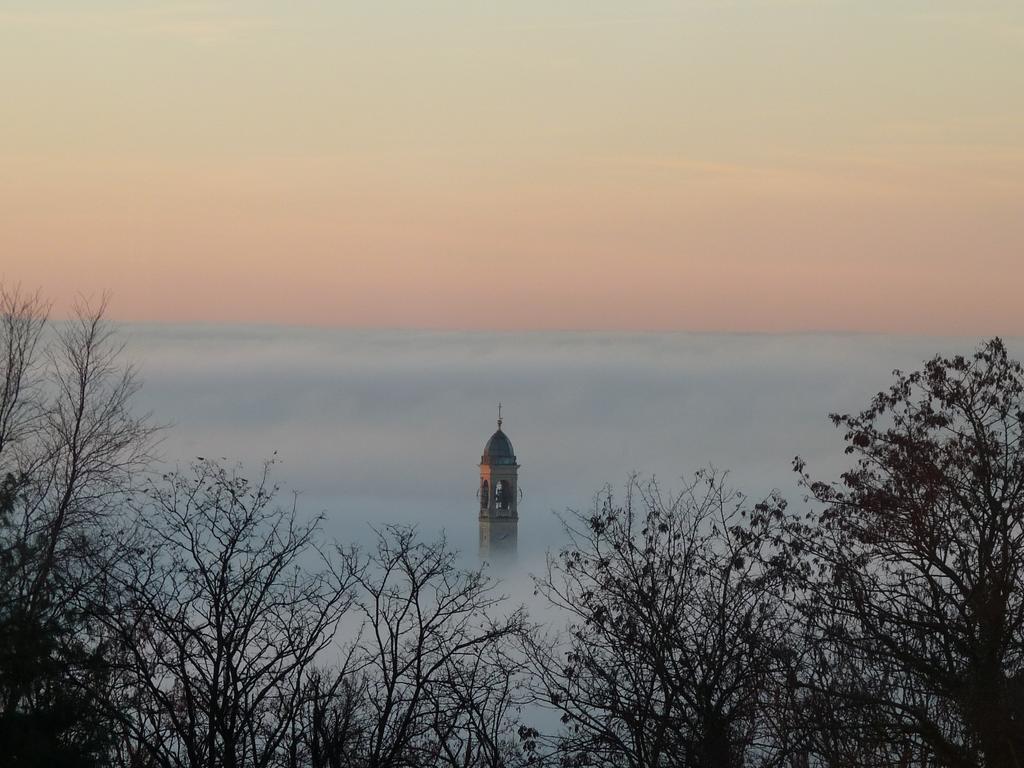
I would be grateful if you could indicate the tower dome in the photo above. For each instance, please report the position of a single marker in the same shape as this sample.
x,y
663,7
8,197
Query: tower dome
x,y
498,450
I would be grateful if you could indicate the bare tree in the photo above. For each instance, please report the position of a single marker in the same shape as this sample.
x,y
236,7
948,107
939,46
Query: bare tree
x,y
672,652
429,681
89,448
220,618
22,321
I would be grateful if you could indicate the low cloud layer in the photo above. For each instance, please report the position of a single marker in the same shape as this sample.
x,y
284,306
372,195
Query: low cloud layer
x,y
377,427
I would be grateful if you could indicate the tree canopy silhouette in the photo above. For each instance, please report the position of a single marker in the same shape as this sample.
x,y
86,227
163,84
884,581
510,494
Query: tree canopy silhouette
x,y
909,573
675,633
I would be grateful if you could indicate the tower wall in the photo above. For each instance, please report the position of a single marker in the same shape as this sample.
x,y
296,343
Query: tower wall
x,y
498,539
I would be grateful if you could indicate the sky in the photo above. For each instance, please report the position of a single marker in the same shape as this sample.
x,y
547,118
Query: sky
x,y
724,165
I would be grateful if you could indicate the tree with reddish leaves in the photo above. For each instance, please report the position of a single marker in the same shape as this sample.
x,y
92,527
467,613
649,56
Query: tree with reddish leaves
x,y
909,573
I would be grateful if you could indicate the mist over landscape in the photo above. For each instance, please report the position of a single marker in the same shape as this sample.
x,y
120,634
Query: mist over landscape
x,y
375,427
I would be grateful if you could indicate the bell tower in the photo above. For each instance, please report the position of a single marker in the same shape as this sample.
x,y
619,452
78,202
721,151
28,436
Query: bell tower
x,y
499,497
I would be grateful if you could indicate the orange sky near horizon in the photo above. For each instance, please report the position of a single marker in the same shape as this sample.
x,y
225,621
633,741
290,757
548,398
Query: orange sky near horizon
x,y
770,165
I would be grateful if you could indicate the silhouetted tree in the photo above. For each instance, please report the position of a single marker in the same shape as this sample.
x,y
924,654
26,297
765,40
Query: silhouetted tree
x,y
219,618
22,320
910,573
672,654
69,448
430,681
